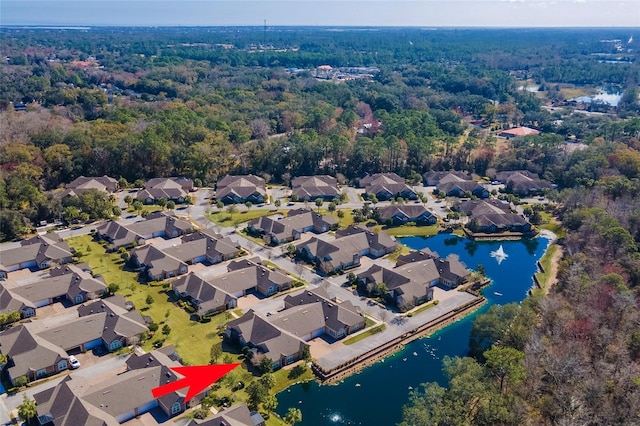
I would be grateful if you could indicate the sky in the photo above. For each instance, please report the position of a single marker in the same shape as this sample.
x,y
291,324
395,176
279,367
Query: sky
x,y
416,13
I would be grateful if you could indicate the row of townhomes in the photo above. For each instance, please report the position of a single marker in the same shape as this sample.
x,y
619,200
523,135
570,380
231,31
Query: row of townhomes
x,y
384,186
283,336
71,283
214,294
128,394
275,230
491,216
411,282
39,252
346,249
41,348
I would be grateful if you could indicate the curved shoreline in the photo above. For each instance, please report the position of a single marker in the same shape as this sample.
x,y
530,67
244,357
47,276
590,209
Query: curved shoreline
x,y
365,360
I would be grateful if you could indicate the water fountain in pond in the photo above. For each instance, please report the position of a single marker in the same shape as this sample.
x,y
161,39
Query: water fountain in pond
x,y
499,254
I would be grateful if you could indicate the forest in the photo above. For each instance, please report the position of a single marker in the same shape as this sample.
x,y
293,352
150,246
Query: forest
x,y
137,103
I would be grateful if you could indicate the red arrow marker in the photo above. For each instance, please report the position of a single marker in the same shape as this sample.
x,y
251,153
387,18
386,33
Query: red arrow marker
x,y
197,378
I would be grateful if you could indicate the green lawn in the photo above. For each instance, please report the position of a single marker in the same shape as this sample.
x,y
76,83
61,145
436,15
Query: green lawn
x,y
225,218
365,334
401,250
545,261
424,308
192,339
412,231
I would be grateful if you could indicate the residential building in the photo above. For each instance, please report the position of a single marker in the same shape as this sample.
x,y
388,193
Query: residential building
x,y
308,188
433,178
156,224
411,282
157,264
346,249
115,400
255,331
248,275
204,247
457,184
236,415
173,188
204,296
523,182
399,214
277,230
39,252
386,186
240,189
518,131
491,216
81,184
65,282
11,302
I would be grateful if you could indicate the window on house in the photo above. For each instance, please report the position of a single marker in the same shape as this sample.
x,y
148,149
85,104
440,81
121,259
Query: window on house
x,y
62,365
176,408
79,298
41,373
115,345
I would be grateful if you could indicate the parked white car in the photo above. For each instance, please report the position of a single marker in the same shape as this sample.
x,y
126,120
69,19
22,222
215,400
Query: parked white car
x,y
73,362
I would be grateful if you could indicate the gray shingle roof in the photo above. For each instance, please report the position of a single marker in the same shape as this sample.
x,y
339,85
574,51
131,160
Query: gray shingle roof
x,y
310,187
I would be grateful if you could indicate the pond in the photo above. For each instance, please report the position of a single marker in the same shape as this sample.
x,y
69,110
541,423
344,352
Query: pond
x,y
375,396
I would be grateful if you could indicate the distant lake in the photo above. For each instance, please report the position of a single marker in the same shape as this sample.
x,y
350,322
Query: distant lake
x,y
609,94
375,396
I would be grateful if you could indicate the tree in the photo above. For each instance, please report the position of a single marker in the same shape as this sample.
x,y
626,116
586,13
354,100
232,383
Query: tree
x,y
171,204
219,204
270,403
113,288
188,200
319,202
480,269
137,206
268,380
277,203
293,416
248,204
128,199
340,214
257,394
506,364
166,329
332,207
215,352
491,327
232,208
27,410
149,300
266,365
162,202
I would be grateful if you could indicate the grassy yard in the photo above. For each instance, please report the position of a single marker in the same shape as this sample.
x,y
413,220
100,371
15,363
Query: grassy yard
x,y
545,261
412,231
193,340
225,218
550,223
424,308
401,250
365,334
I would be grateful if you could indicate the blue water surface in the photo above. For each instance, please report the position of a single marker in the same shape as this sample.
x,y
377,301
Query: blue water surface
x,y
375,396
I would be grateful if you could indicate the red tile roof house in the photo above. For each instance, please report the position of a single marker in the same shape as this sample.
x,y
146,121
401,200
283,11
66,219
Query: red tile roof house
x,y
115,400
518,131
240,189
386,186
39,252
308,188
346,249
277,230
173,188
